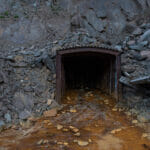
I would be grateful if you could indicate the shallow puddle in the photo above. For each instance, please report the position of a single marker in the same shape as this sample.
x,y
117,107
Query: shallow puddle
x,y
87,121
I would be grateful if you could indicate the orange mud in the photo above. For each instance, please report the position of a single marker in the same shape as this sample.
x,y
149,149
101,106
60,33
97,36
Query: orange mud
x,y
91,113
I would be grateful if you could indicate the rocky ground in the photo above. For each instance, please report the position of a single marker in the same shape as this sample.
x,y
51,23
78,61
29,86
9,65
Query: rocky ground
x,y
86,120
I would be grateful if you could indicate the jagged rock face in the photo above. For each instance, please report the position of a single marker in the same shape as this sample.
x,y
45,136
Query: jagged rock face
x,y
30,21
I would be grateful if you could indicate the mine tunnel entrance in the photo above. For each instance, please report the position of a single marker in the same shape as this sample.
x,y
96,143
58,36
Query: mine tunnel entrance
x,y
88,68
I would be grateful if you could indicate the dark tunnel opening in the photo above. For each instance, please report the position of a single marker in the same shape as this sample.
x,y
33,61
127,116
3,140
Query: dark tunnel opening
x,y
87,69
90,70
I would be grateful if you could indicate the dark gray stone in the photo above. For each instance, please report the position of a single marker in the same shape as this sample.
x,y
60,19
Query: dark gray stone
x,y
37,54
24,115
140,46
118,47
2,123
137,31
23,101
145,36
128,68
138,56
131,42
125,81
96,23
145,26
7,117
46,59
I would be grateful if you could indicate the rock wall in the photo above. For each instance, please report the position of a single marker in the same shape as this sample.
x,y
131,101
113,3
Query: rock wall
x,y
31,21
32,30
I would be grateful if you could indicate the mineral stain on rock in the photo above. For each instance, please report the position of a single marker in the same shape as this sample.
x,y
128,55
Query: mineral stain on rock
x,y
93,126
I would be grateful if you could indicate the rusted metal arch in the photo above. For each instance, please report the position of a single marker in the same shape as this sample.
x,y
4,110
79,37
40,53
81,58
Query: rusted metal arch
x,y
59,70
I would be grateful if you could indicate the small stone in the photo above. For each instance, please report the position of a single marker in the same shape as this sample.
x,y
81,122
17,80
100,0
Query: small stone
x,y
144,135
37,53
65,143
120,109
96,125
134,121
77,134
32,119
7,117
14,127
73,110
45,141
24,115
115,130
54,75
106,101
83,143
49,101
55,42
25,124
128,113
91,94
75,141
65,130
74,129
114,109
118,47
50,113
59,143
118,130
137,31
46,121
59,127
53,95
145,54
2,123
132,42
40,142
68,98
49,124
145,36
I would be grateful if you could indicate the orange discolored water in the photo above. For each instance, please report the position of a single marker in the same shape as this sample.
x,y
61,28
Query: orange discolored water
x,y
87,121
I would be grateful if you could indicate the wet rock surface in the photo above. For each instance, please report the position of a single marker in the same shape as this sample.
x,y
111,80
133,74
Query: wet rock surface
x,y
100,128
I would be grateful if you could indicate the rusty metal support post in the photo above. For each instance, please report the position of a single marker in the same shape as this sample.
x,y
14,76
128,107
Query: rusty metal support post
x,y
58,78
